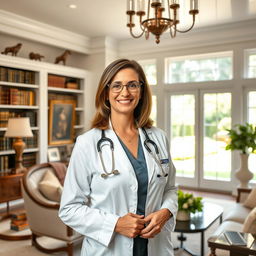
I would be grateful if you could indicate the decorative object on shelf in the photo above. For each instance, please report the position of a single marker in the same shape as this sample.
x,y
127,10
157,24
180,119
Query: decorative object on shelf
x,y
161,15
243,138
35,56
18,128
13,49
187,204
53,155
63,57
61,122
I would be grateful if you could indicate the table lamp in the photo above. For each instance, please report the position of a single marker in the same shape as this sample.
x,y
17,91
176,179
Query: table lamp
x,y
18,128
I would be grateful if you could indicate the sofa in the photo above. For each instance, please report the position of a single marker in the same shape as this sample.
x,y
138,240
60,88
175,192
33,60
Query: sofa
x,y
241,218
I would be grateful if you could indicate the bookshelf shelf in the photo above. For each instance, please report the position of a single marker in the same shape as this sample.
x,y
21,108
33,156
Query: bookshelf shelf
x,y
32,128
65,90
17,107
79,126
22,85
12,152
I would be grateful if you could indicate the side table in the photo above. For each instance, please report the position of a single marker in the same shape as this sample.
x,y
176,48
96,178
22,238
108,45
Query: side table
x,y
10,189
221,243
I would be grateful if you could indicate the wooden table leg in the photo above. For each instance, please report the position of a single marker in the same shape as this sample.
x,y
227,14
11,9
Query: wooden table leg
x,y
212,252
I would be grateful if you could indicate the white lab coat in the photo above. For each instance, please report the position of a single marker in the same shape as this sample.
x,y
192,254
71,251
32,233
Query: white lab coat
x,y
92,205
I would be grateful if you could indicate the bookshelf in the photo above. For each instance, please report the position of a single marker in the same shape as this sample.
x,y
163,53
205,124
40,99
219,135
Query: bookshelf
x,y
26,89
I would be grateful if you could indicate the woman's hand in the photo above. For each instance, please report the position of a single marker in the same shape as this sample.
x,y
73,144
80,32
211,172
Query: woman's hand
x,y
130,225
156,221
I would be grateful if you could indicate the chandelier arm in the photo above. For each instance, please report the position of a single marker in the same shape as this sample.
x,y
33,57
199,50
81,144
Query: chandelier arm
x,y
184,31
137,36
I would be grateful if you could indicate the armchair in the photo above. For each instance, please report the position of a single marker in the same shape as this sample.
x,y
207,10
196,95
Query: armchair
x,y
42,213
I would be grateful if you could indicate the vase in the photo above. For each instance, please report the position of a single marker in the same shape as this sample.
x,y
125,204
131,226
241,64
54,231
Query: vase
x,y
183,216
243,174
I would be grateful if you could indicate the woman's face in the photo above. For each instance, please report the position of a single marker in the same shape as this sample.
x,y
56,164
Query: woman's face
x,y
125,101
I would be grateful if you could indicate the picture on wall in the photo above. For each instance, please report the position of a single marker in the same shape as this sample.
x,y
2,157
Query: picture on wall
x,y
61,121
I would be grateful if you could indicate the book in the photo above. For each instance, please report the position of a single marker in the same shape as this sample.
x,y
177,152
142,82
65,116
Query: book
x,y
21,215
19,227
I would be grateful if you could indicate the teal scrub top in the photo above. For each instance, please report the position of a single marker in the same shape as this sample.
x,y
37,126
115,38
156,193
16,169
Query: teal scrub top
x,y
140,168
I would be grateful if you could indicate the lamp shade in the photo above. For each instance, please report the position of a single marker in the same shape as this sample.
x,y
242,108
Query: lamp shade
x,y
18,127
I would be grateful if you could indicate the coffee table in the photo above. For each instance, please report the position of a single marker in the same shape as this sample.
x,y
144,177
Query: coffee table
x,y
221,243
199,222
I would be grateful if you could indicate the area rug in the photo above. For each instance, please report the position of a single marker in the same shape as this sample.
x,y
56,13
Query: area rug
x,y
24,248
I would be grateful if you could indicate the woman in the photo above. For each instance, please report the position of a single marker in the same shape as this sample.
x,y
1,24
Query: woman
x,y
125,203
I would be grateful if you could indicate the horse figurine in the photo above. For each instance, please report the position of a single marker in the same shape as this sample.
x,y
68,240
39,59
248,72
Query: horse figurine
x,y
35,56
62,57
13,49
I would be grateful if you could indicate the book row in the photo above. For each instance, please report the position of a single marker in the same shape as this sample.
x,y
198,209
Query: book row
x,y
5,115
14,96
63,82
17,75
6,143
7,162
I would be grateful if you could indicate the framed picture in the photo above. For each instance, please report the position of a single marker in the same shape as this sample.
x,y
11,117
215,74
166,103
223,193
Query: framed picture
x,y
61,121
53,155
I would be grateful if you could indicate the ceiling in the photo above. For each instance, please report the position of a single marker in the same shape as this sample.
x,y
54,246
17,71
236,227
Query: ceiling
x,y
95,18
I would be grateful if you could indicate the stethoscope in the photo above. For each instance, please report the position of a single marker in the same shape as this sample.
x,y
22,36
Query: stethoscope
x,y
147,141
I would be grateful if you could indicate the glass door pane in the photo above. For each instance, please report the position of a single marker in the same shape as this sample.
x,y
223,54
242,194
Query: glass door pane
x,y
216,119
182,116
252,120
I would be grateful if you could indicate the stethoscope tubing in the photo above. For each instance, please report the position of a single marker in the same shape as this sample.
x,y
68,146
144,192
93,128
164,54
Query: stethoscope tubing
x,y
116,172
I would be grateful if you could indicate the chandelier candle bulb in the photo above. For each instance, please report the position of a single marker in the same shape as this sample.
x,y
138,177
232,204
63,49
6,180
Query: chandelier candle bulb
x,y
140,5
193,4
130,5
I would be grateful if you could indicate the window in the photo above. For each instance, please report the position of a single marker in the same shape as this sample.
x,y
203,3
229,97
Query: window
x,y
251,63
182,117
252,120
149,67
217,118
198,68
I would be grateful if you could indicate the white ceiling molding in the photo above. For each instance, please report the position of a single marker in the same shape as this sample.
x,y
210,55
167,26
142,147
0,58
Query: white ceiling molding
x,y
36,31
207,36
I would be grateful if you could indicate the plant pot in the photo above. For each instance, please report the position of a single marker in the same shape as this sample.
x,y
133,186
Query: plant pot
x,y
183,216
243,174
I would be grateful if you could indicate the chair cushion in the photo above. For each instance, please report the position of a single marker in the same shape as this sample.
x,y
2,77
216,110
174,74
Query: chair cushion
x,y
250,222
251,199
50,186
238,213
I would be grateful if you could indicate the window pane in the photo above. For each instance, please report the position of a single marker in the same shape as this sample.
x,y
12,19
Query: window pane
x,y
153,114
207,67
149,67
182,116
217,118
252,65
252,120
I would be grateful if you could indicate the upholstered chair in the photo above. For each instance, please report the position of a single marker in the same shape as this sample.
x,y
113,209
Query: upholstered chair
x,y
42,213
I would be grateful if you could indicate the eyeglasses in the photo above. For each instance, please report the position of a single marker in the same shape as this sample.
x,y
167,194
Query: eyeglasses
x,y
132,86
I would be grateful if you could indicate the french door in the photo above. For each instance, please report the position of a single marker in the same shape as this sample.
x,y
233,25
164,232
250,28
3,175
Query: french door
x,y
197,129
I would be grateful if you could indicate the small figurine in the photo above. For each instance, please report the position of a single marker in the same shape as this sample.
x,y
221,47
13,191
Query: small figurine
x,y
14,49
35,56
62,57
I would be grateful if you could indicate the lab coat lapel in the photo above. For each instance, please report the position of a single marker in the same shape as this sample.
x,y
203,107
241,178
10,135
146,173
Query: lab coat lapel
x,y
149,159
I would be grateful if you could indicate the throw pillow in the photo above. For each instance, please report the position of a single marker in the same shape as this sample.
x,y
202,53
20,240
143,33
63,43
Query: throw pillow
x,y
250,202
50,187
250,222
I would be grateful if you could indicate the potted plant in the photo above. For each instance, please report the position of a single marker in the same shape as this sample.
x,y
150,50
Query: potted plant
x,y
243,139
187,204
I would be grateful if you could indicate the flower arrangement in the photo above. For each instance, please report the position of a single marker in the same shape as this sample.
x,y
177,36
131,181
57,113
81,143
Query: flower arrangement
x,y
188,203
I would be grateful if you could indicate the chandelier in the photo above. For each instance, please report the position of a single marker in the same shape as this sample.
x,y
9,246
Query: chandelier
x,y
161,15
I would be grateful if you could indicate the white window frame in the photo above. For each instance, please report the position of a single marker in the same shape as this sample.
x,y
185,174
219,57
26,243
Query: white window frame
x,y
199,57
247,53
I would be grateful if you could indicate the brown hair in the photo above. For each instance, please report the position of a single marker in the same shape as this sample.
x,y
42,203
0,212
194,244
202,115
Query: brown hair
x,y
143,109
